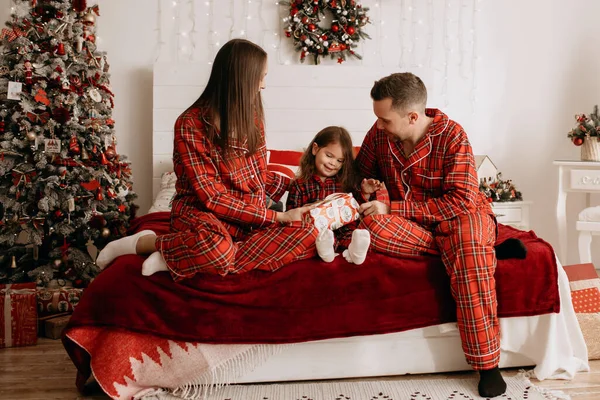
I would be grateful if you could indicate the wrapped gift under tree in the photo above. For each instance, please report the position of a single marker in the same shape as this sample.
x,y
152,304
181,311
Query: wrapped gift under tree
x,y
18,315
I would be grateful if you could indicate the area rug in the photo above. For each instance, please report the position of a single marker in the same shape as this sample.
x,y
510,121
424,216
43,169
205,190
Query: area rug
x,y
421,388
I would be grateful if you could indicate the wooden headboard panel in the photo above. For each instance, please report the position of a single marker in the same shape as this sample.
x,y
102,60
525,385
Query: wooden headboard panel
x,y
299,101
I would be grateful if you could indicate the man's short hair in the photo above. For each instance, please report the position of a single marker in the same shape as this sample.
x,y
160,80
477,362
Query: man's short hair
x,y
405,89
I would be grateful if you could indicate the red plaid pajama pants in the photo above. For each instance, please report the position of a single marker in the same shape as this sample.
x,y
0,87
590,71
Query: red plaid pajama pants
x,y
466,245
209,248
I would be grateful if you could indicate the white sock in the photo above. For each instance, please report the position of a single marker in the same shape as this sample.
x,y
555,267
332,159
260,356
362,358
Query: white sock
x,y
357,250
324,245
119,247
154,263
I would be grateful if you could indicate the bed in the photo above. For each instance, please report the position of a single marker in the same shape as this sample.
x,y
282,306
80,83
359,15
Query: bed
x,y
308,321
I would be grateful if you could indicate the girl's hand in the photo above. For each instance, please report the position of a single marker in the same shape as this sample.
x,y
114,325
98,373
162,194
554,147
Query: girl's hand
x,y
370,186
295,214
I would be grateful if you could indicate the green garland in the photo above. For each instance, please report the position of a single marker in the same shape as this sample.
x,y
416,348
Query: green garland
x,y
340,40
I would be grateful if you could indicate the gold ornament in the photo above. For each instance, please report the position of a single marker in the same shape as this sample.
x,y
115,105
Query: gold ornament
x,y
31,136
89,18
105,232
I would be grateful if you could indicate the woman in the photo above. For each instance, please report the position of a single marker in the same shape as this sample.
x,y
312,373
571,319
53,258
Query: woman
x,y
219,219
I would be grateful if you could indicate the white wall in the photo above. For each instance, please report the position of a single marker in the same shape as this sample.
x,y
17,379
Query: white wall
x,y
538,68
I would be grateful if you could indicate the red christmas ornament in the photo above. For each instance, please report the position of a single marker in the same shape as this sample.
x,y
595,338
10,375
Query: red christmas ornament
x,y
293,12
74,145
311,27
111,193
1,126
103,159
577,141
61,49
288,34
99,195
61,115
122,208
343,46
58,213
304,20
79,5
111,152
303,38
335,28
324,37
351,30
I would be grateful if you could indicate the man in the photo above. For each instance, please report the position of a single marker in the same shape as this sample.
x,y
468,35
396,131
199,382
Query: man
x,y
427,165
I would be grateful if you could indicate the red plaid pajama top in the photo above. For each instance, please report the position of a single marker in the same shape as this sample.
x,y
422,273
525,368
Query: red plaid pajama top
x,y
219,218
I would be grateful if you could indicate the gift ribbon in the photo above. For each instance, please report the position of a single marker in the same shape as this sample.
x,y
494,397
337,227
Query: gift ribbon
x,y
8,311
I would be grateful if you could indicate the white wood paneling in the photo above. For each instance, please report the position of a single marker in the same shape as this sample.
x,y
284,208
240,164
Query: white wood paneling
x,y
299,101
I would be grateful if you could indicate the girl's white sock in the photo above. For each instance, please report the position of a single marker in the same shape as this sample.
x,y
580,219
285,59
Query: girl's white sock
x,y
324,243
359,246
119,247
154,263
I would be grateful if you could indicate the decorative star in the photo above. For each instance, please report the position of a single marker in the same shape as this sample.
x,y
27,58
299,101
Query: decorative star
x,y
122,208
340,60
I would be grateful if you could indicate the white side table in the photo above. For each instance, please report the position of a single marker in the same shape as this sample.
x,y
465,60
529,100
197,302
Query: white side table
x,y
573,176
513,213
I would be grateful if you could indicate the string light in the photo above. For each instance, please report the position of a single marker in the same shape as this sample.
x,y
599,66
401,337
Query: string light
x,y
192,35
159,39
474,54
430,36
446,53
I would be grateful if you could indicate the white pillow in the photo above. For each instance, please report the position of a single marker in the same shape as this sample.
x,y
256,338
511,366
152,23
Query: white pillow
x,y
163,199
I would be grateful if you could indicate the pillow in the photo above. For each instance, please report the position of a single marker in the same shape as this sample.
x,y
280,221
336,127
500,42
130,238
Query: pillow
x,y
163,199
284,162
585,294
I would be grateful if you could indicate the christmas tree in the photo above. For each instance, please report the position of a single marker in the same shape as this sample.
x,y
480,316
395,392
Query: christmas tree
x,y
64,190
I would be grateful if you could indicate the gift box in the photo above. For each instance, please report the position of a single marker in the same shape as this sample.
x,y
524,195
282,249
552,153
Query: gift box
x,y
54,301
53,327
335,211
18,315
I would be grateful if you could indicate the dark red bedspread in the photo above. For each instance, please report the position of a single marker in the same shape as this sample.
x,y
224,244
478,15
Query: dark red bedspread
x,y
306,300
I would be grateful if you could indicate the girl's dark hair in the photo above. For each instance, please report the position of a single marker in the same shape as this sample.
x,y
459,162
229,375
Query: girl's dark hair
x,y
332,134
232,95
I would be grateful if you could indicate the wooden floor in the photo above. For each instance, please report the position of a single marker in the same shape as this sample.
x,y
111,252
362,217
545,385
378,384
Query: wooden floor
x,y
46,372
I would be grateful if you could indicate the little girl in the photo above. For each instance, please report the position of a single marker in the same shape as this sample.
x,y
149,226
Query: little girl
x,y
327,167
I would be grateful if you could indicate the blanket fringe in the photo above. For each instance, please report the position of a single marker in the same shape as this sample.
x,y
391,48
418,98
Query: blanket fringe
x,y
548,394
221,375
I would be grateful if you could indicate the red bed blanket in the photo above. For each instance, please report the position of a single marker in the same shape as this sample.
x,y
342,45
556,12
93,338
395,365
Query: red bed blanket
x,y
306,300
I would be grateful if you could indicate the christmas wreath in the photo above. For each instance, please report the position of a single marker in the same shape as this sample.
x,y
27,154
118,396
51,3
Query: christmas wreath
x,y
339,40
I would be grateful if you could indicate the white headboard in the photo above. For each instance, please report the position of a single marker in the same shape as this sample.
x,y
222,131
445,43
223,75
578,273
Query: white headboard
x,y
299,101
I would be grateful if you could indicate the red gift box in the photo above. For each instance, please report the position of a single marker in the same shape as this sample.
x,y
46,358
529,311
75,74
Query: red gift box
x,y
54,301
18,315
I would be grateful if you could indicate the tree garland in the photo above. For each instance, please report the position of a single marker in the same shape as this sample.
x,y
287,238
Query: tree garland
x,y
339,40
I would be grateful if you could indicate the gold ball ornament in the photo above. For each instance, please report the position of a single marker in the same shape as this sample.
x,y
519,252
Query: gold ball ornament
x,y
105,232
31,136
89,18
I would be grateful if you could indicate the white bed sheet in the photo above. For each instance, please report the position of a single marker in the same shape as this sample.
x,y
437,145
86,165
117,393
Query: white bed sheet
x,y
553,343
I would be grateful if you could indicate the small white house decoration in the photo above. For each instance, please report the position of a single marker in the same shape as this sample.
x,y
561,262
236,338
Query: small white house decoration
x,y
485,169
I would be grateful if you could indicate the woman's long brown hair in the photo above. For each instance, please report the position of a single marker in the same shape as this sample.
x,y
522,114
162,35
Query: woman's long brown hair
x,y
332,134
232,95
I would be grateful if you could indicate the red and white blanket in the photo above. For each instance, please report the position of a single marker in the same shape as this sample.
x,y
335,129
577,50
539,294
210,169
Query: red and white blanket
x,y
139,332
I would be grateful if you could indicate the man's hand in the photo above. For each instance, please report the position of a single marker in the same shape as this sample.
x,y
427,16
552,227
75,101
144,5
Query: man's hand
x,y
373,208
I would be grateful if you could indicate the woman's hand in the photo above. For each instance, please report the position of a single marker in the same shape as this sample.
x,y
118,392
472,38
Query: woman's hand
x,y
295,214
